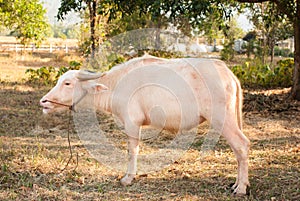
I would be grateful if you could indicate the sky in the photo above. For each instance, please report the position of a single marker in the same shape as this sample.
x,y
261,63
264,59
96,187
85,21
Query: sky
x,y
52,9
244,23
53,5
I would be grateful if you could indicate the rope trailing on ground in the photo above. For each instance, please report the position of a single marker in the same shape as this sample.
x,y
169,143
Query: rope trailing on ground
x,y
70,147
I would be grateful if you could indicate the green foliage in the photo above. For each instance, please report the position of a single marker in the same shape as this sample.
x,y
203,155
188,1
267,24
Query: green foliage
x,y
74,65
272,27
256,74
284,70
130,22
26,19
49,75
67,6
104,63
62,31
160,53
92,6
115,17
115,59
232,32
41,75
227,53
85,47
85,37
284,52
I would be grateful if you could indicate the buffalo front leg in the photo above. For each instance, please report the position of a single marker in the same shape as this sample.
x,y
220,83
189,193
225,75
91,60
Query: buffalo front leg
x,y
133,151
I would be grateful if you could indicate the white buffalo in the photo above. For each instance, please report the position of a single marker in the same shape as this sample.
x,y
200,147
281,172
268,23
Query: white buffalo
x,y
188,91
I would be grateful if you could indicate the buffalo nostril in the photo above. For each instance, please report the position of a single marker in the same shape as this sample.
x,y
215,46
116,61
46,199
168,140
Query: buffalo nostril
x,y
44,101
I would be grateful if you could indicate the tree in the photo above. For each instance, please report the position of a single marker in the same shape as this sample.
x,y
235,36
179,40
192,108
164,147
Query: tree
x,y
92,6
273,28
184,15
290,8
26,19
151,14
208,17
100,33
232,32
128,23
196,11
187,14
63,31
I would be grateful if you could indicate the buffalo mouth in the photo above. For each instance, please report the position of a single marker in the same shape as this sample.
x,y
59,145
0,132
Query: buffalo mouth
x,y
46,105
46,109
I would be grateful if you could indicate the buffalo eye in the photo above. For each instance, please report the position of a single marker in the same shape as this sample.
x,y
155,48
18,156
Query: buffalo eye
x,y
67,83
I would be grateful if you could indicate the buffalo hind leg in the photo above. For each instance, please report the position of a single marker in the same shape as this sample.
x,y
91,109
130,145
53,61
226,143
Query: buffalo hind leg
x,y
240,144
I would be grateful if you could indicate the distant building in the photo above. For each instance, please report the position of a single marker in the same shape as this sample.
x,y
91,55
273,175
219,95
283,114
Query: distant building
x,y
287,44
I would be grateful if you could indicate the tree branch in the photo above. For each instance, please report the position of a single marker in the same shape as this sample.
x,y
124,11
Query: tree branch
x,y
281,6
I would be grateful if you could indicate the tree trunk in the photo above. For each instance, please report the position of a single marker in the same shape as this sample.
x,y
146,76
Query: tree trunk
x,y
92,9
272,55
272,44
296,77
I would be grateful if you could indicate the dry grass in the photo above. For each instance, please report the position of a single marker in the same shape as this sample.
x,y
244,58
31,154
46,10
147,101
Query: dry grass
x,y
34,149
13,65
54,41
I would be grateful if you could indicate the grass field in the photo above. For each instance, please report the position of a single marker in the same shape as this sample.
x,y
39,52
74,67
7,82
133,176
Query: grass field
x,y
34,150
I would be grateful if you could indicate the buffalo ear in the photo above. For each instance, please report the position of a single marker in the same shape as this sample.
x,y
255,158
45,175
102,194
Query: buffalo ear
x,y
95,88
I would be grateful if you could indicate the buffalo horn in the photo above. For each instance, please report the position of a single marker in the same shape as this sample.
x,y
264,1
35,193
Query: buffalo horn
x,y
84,75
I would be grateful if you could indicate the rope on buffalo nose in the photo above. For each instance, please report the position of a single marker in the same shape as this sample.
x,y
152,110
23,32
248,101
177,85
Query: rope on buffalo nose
x,y
70,147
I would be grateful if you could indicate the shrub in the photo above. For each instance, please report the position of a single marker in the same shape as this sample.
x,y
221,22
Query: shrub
x,y
115,59
41,75
258,75
160,53
48,75
282,52
284,72
227,53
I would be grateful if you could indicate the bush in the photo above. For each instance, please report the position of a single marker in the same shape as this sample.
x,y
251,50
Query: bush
x,y
48,75
160,53
284,72
227,53
284,52
41,75
257,75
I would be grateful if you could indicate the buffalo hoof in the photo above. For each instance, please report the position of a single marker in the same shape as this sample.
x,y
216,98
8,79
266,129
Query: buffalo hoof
x,y
127,179
232,186
238,192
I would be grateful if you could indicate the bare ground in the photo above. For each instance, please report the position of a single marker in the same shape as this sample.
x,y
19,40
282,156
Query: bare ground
x,y
34,150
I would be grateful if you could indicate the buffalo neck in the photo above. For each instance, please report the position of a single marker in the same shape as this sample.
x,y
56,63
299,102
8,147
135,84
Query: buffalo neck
x,y
103,101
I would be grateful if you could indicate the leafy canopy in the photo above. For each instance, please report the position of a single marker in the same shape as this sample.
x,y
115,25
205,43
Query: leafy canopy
x,y
26,19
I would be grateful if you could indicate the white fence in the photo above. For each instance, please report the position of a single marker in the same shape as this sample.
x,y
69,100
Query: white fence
x,y
51,45
51,48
